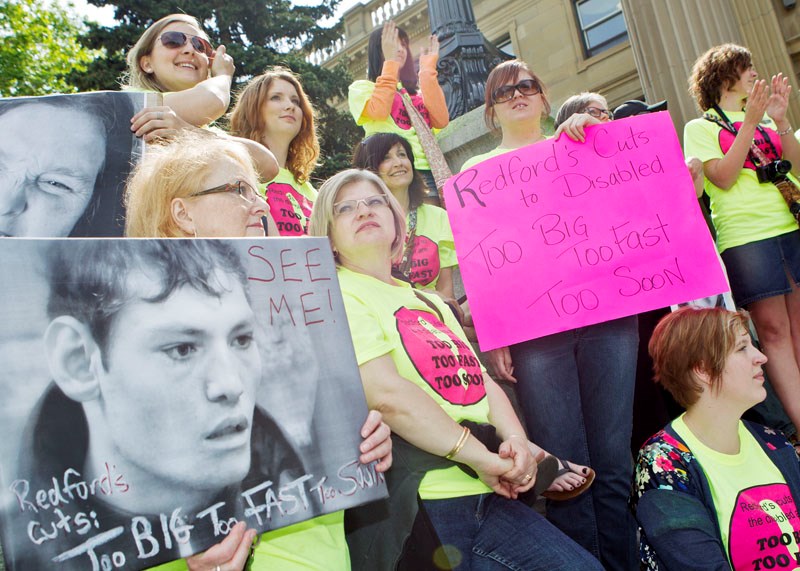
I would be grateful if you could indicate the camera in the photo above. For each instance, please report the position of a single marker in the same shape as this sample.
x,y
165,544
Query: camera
x,y
774,171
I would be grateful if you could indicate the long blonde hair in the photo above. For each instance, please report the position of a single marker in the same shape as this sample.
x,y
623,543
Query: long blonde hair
x,y
135,76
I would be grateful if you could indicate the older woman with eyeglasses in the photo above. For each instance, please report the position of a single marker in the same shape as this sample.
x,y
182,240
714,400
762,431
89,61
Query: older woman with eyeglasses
x,y
205,186
575,387
418,369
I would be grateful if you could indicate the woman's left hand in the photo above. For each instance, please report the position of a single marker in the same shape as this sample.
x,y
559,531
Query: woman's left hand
x,y
377,443
228,555
778,101
158,123
574,126
523,474
432,48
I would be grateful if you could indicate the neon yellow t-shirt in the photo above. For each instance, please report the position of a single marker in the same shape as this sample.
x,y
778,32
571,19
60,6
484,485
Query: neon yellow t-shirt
x,y
289,203
749,210
480,158
429,351
397,122
757,515
317,544
434,247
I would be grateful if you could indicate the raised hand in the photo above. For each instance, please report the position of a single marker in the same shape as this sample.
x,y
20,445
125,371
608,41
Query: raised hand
x,y
757,103
778,101
222,63
432,48
391,44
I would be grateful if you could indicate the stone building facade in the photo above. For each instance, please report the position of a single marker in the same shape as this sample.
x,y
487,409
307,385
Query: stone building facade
x,y
623,49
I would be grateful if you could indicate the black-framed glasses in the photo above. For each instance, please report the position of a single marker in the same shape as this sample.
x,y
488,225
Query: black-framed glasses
x,y
174,39
240,188
526,87
598,112
348,207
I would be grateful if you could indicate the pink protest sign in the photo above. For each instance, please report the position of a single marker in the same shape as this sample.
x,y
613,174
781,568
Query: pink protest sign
x,y
561,234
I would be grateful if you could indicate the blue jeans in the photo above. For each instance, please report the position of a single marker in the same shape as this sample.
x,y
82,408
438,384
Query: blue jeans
x,y
576,391
489,532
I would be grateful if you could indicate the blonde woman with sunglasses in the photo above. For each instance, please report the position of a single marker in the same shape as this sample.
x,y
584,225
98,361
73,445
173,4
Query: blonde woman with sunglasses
x,y
174,57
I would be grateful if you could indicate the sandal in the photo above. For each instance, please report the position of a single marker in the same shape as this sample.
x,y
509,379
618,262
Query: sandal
x,y
566,467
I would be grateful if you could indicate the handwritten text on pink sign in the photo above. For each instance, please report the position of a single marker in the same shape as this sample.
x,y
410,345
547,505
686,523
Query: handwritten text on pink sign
x,y
560,234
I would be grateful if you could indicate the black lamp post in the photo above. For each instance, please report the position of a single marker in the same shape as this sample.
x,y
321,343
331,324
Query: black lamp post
x,y
465,56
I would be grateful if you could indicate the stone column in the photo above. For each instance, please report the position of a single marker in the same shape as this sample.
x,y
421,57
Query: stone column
x,y
667,36
758,21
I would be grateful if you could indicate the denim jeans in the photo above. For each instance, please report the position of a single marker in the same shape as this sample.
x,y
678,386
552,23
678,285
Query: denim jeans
x,y
576,392
489,532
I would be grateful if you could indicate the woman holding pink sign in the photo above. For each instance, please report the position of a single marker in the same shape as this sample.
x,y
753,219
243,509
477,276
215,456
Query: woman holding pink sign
x,y
575,387
750,157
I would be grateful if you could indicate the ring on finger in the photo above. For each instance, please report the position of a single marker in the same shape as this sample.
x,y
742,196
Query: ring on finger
x,y
217,568
160,116
528,478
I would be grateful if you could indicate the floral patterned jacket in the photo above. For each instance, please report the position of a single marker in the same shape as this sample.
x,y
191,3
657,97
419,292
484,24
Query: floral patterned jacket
x,y
672,502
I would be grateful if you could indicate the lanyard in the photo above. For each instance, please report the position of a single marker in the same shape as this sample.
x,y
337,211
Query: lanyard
x,y
756,154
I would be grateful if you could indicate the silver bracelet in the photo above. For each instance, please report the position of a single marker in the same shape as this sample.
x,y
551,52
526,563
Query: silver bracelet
x,y
786,131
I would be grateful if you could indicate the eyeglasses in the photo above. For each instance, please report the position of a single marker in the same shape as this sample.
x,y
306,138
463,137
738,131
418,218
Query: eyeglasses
x,y
173,40
598,112
526,87
240,188
349,207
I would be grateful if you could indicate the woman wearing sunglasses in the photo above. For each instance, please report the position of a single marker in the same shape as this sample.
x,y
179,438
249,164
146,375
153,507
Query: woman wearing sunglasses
x,y
377,103
273,110
205,186
575,387
175,58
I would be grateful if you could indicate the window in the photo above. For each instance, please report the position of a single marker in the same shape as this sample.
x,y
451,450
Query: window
x,y
505,45
601,23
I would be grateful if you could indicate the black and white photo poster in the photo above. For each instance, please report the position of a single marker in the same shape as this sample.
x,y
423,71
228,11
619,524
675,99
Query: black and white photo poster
x,y
157,391
64,160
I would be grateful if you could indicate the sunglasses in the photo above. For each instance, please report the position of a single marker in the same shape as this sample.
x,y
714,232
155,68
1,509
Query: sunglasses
x,y
173,40
598,112
240,188
526,87
349,207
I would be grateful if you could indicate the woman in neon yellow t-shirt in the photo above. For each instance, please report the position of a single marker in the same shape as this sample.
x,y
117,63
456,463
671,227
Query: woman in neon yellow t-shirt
x,y
376,103
205,186
429,255
419,370
711,491
274,110
745,128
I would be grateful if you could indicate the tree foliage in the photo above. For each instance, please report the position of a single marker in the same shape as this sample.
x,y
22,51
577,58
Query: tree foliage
x,y
258,34
39,48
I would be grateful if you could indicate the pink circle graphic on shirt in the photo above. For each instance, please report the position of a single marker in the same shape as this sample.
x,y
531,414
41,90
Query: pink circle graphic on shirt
x,y
290,209
726,140
424,261
446,362
764,529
